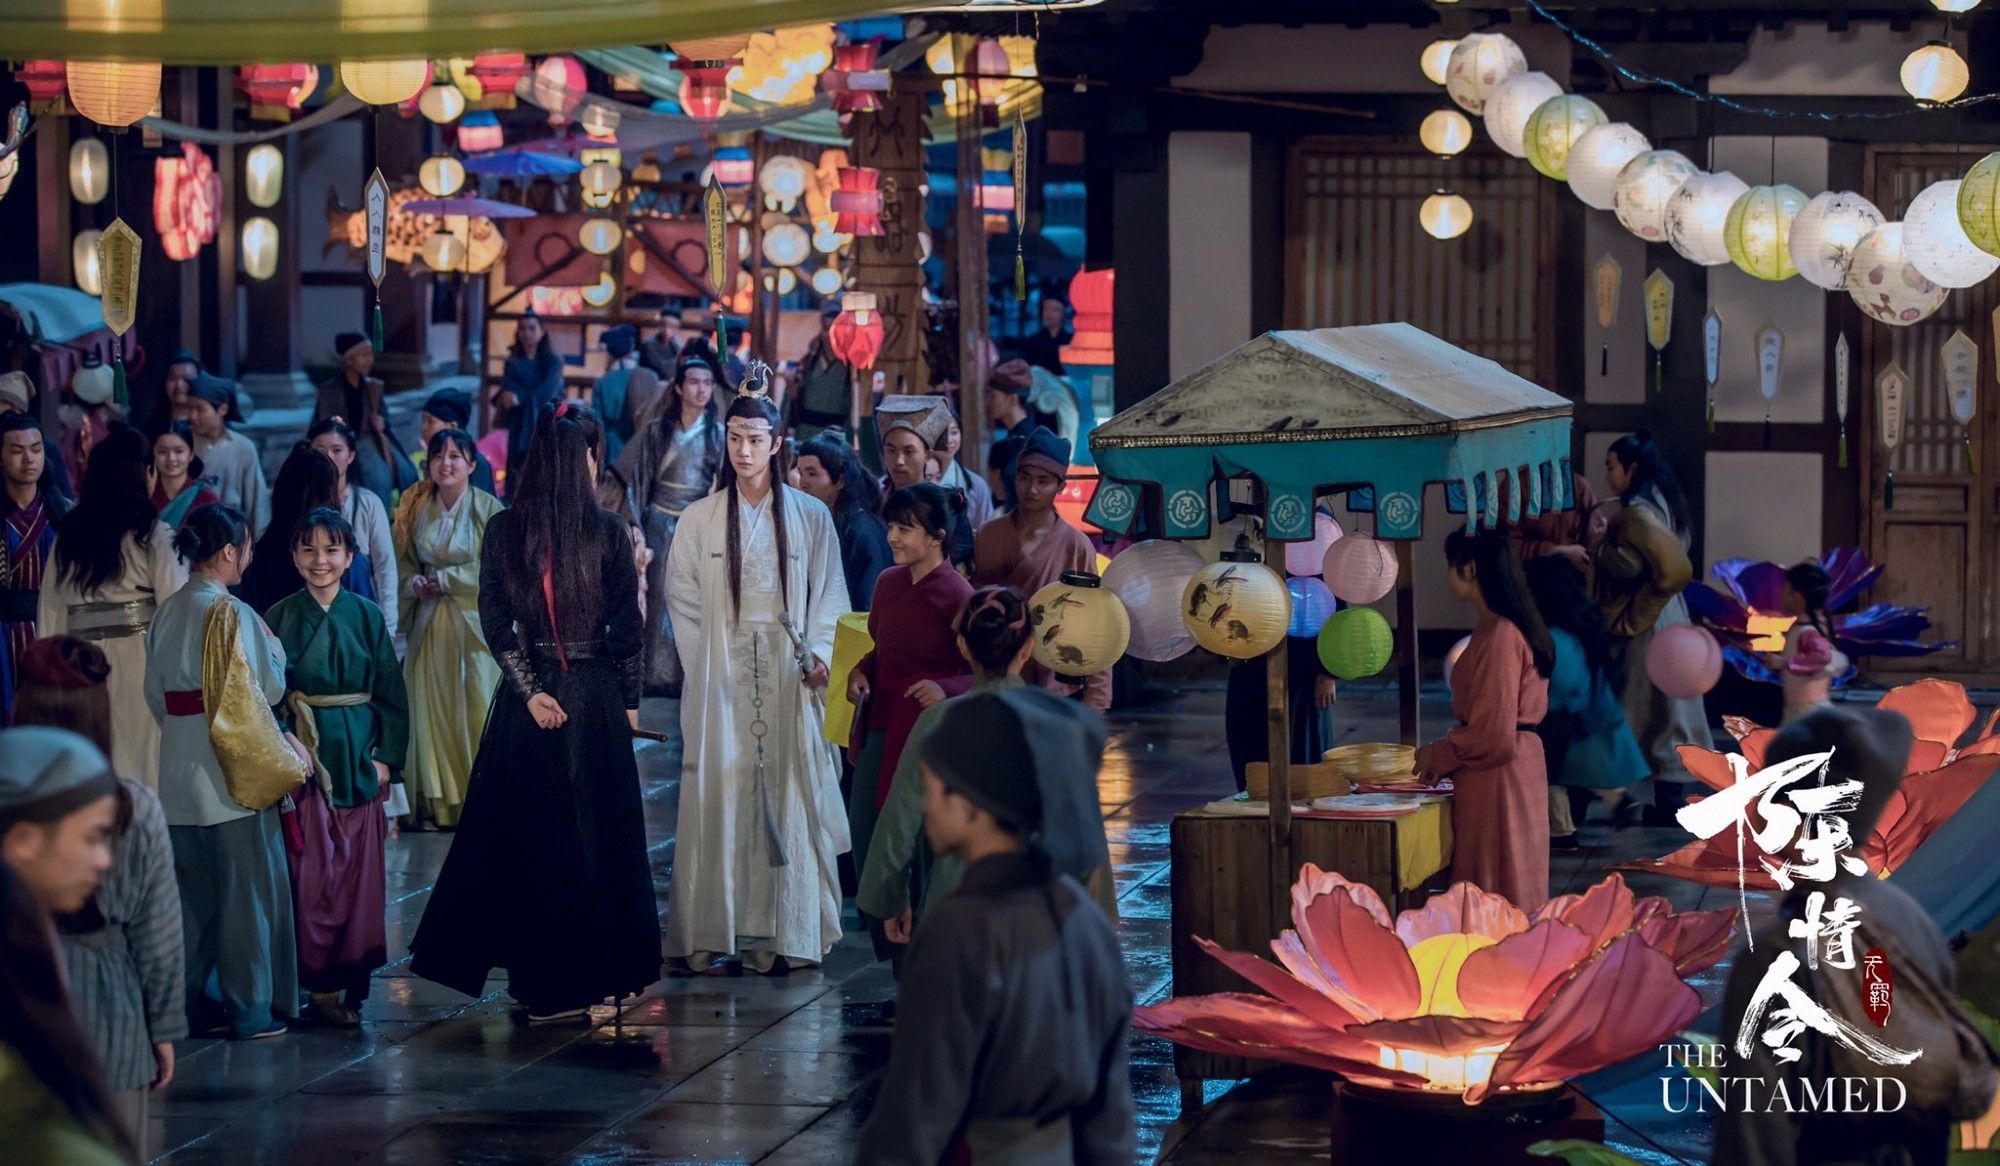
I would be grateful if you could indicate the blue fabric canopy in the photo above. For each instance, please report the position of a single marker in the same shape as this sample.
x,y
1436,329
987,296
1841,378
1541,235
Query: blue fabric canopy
x,y
1376,411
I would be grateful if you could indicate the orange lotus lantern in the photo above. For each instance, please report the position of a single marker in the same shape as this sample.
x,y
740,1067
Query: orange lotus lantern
x,y
1466,995
857,205
187,202
856,334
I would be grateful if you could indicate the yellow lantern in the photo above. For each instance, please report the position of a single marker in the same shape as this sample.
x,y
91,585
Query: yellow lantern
x,y
441,103
600,236
600,182
114,93
1445,215
1768,631
1080,628
83,261
1979,204
441,175
260,247
1554,127
1436,58
1237,608
1445,132
264,175
1935,73
602,292
1758,230
444,252
89,171
385,82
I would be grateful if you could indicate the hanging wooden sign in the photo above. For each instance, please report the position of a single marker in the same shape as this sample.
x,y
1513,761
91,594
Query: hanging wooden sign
x,y
118,253
1770,367
1659,292
1020,204
715,216
1711,359
1892,388
1841,365
1960,355
1605,280
375,203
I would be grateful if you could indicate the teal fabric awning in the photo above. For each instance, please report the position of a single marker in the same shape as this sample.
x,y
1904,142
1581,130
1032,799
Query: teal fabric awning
x,y
1376,411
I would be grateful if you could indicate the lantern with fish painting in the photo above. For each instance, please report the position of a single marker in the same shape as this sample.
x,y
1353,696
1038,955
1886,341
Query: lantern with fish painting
x,y
1238,607
1080,628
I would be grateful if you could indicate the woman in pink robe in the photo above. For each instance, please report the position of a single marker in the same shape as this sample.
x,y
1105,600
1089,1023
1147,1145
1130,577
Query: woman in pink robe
x,y
1500,692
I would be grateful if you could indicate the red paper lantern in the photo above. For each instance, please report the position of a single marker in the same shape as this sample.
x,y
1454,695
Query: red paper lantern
x,y
704,92
46,80
187,202
1091,294
498,73
277,87
857,205
856,335
560,87
854,83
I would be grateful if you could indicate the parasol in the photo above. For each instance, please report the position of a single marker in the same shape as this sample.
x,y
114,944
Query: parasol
x,y
478,208
519,163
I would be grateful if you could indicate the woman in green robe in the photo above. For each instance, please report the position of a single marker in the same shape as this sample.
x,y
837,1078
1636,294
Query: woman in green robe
x,y
344,691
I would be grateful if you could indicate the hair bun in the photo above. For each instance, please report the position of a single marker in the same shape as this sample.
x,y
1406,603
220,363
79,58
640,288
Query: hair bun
x,y
64,662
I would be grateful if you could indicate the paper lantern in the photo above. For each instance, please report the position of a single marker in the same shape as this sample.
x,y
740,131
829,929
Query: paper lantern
x,y
854,83
93,383
1937,243
385,82
1683,661
260,247
1092,342
1309,557
705,63
1436,59
702,50
114,93
704,94
1935,73
601,121
46,80
1554,127
1510,105
1646,187
1355,642
733,167
857,205
1757,232
1699,215
441,103
1445,215
1478,63
1451,658
479,131
782,281
441,175
1886,284
1312,604
277,90
1979,204
1954,6
787,245
498,73
1150,578
827,280
559,87
1360,568
1079,627
785,178
1238,609
89,171
83,262
856,334
602,292
1824,235
1598,157
444,251
600,236
1445,132
264,175
991,69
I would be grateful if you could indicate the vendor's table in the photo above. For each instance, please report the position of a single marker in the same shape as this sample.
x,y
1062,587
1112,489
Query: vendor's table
x,y
1221,892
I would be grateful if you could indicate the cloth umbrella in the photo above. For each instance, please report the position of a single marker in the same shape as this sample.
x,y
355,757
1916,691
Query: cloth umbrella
x,y
478,208
518,163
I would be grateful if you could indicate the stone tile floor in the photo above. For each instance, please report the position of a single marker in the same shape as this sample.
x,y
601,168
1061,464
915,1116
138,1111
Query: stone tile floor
x,y
774,1070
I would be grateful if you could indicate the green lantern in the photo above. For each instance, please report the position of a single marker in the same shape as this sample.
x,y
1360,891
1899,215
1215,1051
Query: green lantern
x,y
1979,204
1758,231
1554,127
1355,642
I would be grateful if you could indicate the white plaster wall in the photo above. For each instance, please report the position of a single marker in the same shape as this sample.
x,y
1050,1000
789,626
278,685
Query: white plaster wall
x,y
1762,506
1325,58
1208,236
1745,303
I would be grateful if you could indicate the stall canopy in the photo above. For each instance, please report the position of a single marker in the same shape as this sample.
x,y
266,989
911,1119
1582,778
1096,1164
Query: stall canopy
x,y
1376,411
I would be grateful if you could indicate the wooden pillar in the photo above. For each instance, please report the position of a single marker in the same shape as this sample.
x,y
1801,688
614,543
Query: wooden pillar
x,y
1406,638
891,140
1278,726
270,369
52,200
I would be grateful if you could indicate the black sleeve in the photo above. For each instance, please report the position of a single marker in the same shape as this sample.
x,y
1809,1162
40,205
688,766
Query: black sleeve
x,y
497,559
624,627
869,558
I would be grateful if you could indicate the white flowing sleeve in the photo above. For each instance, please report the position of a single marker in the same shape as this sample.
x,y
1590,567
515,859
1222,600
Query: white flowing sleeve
x,y
51,609
684,563
381,552
828,599
169,573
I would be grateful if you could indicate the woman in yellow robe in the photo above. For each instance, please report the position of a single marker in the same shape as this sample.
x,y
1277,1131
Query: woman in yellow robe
x,y
451,675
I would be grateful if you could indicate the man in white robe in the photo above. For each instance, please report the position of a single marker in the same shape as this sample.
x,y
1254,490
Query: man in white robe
x,y
761,817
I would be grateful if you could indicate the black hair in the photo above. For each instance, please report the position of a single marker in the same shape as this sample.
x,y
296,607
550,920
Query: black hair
x,y
1560,597
112,503
1651,475
207,530
324,518
337,426
1497,568
994,624
930,508
555,503
458,437
516,348
858,489
1813,584
21,423
183,430
670,407
757,409
307,481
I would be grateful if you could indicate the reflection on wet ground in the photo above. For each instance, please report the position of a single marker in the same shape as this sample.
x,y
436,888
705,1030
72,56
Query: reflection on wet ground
x,y
777,1070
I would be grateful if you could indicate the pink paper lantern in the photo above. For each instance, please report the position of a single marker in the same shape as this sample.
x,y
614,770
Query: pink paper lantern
x,y
1309,558
1451,658
1359,568
1683,661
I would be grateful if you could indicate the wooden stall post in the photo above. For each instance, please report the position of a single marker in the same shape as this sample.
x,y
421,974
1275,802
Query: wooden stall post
x,y
1278,726
1406,637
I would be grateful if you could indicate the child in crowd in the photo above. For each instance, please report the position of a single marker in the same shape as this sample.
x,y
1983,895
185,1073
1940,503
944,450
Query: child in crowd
x,y
1809,663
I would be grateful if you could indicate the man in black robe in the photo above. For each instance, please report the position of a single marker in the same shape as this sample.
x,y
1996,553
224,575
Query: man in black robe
x,y
1018,952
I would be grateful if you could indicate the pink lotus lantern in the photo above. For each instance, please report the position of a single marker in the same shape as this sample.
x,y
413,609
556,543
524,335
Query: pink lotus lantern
x,y
1309,558
1683,661
1360,568
1466,995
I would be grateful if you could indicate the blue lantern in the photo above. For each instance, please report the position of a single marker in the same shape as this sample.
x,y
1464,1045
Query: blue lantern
x,y
1312,603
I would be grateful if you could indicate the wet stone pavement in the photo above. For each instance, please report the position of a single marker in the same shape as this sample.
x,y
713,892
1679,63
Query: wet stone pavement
x,y
777,1070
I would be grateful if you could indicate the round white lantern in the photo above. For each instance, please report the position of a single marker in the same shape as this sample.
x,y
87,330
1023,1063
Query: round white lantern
x,y
1360,568
782,280
444,251
385,82
441,175
1445,215
1080,628
784,178
83,262
600,182
1698,216
1598,157
600,236
1758,231
1510,105
1937,243
1436,59
1646,187
1554,127
1954,6
442,103
260,247
264,175
787,245
1150,578
1237,609
1935,73
1478,63
1886,284
89,171
1445,132
826,280
1824,235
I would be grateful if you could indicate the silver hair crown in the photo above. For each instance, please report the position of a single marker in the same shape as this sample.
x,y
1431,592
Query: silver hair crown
x,y
756,380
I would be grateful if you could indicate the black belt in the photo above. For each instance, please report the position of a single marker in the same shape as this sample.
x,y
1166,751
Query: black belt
x,y
580,651
19,604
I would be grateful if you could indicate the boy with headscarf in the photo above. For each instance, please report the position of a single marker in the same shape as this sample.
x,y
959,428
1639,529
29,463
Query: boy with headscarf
x,y
1021,952
627,392
229,460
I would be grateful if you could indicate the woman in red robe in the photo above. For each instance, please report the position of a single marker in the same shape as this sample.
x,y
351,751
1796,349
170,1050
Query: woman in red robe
x,y
1500,692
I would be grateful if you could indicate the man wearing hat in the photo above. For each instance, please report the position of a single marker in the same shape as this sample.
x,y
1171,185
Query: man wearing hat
x,y
825,384
229,460
29,514
1031,546
662,349
627,392
452,409
1010,790
356,397
909,427
16,390
58,809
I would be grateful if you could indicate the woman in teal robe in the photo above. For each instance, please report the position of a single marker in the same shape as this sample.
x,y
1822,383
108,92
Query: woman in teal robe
x,y
344,692
1591,751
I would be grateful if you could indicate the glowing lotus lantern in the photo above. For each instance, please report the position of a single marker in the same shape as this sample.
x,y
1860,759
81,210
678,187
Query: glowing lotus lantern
x,y
1478,64
1646,187
1510,105
1598,157
856,334
1080,628
1237,608
1824,235
857,205
1886,284
1149,578
1359,568
1758,231
1698,217
1312,606
1554,127
1683,661
1355,642
1309,557
1466,995
1937,242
